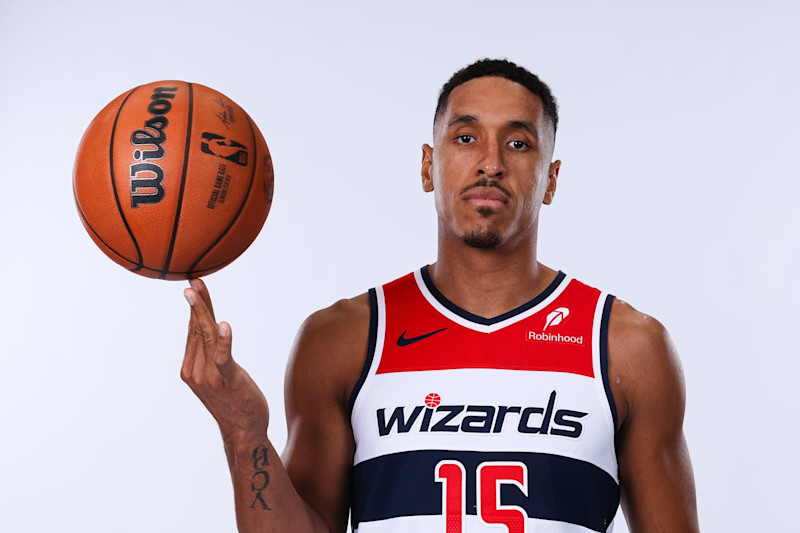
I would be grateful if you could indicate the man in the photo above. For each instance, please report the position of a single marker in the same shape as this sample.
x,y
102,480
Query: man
x,y
485,390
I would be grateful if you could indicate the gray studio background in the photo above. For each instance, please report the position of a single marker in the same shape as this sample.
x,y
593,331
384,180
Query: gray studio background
x,y
678,193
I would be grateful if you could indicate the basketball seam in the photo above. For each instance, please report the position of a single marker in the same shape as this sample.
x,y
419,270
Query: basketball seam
x,y
171,249
114,184
241,207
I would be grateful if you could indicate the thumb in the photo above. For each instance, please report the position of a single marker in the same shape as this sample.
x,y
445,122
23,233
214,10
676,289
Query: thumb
x,y
222,357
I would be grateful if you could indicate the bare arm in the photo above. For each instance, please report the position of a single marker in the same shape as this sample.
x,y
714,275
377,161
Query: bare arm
x,y
326,362
658,493
267,495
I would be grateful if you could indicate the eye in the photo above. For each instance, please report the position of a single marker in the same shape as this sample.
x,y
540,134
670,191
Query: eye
x,y
518,145
465,139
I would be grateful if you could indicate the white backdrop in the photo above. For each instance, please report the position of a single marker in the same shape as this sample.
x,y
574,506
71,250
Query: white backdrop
x,y
678,193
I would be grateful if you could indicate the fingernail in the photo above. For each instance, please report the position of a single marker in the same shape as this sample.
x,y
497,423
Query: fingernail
x,y
189,297
223,330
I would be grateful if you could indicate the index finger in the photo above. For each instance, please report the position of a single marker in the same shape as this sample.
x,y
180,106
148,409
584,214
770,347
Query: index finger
x,y
202,329
200,288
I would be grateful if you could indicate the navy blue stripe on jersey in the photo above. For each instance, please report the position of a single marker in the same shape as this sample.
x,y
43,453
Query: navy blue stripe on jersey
x,y
604,357
371,341
426,277
559,488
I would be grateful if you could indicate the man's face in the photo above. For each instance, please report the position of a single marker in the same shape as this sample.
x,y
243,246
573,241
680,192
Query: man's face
x,y
490,166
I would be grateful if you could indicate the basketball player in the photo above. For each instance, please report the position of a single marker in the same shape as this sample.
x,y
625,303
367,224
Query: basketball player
x,y
483,391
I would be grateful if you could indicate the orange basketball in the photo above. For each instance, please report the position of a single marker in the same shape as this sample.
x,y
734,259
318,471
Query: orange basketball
x,y
173,180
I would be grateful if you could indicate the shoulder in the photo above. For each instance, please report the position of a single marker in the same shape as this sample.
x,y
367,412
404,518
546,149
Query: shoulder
x,y
330,349
633,331
340,318
643,365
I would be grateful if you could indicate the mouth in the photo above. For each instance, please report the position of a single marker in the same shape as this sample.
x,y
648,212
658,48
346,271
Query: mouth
x,y
486,195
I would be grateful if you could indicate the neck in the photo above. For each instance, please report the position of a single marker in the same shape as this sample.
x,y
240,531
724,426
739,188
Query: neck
x,y
489,283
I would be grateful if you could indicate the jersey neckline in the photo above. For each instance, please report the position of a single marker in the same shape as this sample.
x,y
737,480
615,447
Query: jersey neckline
x,y
466,315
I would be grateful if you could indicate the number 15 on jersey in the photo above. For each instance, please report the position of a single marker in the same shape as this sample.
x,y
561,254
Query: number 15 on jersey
x,y
490,476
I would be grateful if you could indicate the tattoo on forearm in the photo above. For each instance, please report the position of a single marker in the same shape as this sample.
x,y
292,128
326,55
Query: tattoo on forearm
x,y
260,478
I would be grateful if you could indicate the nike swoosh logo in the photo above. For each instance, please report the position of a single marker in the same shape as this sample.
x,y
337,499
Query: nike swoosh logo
x,y
403,341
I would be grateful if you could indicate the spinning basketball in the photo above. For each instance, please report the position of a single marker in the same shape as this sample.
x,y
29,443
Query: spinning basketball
x,y
173,180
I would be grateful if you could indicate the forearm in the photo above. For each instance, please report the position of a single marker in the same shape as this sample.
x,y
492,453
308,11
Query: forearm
x,y
266,500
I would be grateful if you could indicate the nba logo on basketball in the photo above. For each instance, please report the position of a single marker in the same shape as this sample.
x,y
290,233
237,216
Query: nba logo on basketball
x,y
225,148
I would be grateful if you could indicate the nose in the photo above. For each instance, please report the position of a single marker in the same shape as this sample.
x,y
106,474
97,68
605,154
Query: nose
x,y
491,163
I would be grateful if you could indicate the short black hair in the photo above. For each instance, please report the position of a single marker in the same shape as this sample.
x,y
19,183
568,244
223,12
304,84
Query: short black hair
x,y
502,68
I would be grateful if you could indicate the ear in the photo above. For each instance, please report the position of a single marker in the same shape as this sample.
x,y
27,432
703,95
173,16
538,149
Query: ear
x,y
427,168
552,176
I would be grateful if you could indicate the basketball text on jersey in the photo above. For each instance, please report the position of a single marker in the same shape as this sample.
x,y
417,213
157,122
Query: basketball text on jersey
x,y
482,419
149,189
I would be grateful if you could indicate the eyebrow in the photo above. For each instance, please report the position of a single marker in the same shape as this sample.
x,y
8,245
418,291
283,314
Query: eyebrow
x,y
524,125
516,124
461,119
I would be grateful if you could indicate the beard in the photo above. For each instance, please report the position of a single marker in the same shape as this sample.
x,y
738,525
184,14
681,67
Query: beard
x,y
483,239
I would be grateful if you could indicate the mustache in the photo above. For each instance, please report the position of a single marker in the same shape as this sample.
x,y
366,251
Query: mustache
x,y
486,182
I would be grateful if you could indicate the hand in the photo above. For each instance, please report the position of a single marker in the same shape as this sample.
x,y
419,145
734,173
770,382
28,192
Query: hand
x,y
224,387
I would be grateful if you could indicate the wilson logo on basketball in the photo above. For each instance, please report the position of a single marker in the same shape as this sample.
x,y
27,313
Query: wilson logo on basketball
x,y
147,177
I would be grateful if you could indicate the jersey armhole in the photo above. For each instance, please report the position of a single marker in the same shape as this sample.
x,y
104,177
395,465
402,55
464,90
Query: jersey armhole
x,y
371,342
604,358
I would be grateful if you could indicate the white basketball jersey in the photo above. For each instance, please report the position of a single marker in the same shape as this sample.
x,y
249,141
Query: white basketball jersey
x,y
471,425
